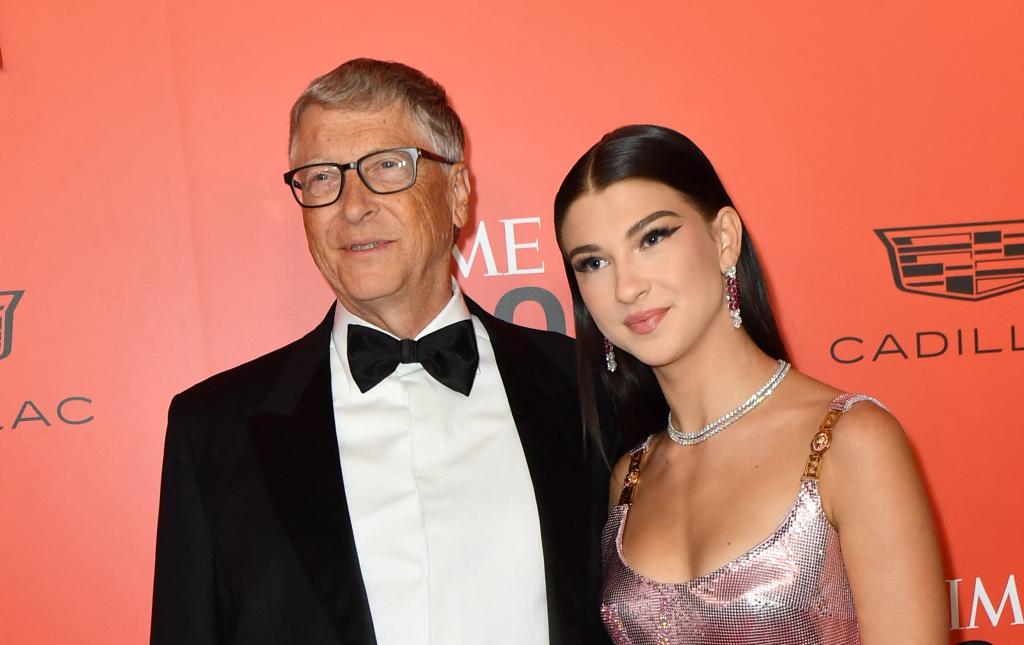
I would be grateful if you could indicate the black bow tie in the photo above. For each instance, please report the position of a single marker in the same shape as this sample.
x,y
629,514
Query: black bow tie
x,y
448,354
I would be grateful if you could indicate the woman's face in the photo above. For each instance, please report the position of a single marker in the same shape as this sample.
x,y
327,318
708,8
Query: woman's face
x,y
649,267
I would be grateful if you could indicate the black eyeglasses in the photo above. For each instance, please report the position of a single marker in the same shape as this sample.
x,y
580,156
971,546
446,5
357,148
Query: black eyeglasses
x,y
383,172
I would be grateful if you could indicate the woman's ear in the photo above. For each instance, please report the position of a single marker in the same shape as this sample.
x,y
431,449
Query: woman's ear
x,y
728,233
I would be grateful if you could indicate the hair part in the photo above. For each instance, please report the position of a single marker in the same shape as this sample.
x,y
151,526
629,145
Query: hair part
x,y
365,84
665,156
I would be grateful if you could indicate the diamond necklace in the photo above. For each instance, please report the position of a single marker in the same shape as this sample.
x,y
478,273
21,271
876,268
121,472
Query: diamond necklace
x,y
730,417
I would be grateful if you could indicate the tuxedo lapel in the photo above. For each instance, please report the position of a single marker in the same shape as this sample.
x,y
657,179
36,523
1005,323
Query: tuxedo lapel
x,y
543,400
297,443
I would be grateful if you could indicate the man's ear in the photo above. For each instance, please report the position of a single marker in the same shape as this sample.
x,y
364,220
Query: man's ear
x,y
728,233
458,184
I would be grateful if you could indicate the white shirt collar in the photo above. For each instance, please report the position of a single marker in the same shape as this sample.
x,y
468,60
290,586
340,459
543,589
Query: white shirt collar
x,y
453,312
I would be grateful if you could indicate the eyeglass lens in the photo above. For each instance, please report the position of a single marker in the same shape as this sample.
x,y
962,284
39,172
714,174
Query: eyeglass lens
x,y
387,171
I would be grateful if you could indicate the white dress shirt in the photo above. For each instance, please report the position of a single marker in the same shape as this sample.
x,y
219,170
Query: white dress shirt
x,y
441,501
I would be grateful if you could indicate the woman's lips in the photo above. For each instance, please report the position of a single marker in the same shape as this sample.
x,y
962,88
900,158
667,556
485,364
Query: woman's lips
x,y
644,322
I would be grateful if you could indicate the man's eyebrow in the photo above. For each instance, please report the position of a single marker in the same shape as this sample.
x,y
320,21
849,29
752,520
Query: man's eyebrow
x,y
656,215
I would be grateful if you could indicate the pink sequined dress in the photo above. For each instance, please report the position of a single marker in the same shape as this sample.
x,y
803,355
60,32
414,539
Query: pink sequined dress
x,y
789,589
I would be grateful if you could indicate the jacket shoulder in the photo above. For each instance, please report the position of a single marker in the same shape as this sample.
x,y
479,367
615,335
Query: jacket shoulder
x,y
558,348
249,379
545,351
244,387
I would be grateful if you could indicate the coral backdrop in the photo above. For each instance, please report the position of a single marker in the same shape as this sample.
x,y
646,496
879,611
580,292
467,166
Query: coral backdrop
x,y
147,240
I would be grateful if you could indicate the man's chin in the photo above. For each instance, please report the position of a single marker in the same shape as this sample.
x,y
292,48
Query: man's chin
x,y
365,296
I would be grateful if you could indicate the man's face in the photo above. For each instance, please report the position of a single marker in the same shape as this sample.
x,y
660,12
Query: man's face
x,y
386,257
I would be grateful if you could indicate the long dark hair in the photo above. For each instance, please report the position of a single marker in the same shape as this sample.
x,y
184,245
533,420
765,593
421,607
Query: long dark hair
x,y
667,157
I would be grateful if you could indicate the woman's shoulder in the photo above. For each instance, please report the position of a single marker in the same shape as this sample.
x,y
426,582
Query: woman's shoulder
x,y
618,476
868,443
622,467
865,429
868,440
862,416
869,459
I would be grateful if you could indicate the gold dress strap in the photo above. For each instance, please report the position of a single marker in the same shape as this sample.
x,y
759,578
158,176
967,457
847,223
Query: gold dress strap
x,y
633,474
822,439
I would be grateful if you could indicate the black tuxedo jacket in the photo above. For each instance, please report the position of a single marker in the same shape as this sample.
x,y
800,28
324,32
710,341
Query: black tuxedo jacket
x,y
254,539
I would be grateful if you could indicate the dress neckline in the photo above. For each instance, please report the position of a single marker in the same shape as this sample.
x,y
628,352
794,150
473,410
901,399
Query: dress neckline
x,y
807,486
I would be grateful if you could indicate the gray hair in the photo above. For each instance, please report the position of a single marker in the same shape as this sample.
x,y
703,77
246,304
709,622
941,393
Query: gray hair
x,y
365,84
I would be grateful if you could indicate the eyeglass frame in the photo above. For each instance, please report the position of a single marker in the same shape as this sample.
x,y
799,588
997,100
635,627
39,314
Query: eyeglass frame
x,y
355,165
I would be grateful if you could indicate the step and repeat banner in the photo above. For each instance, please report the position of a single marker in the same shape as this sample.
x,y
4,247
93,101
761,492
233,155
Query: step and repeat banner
x,y
147,240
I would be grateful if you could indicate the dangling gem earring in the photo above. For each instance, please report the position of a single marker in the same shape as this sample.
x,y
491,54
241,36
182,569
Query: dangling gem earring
x,y
732,296
609,356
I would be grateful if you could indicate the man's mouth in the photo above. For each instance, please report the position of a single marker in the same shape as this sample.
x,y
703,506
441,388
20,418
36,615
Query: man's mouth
x,y
365,246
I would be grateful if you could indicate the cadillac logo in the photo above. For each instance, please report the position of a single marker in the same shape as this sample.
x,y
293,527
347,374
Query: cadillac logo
x,y
8,301
961,261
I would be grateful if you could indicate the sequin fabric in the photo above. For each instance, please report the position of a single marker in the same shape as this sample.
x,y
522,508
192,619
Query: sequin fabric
x,y
791,588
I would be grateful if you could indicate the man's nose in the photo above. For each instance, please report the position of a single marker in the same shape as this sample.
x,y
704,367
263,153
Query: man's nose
x,y
357,202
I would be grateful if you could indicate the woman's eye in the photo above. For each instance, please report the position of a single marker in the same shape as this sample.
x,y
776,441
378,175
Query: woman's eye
x,y
586,265
656,235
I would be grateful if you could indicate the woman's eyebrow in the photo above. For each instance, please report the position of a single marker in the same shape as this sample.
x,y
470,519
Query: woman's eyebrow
x,y
586,248
644,221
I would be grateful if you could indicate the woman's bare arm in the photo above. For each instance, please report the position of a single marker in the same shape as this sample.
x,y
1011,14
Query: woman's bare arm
x,y
873,493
